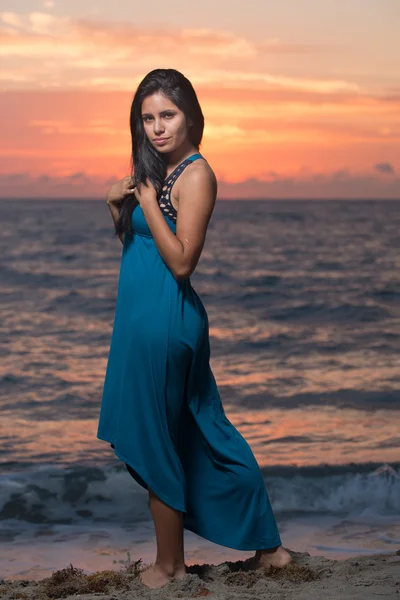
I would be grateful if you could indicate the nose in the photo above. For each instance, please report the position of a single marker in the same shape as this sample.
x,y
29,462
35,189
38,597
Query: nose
x,y
158,127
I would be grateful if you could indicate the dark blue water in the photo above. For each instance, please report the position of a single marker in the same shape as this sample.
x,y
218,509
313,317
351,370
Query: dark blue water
x,y
303,299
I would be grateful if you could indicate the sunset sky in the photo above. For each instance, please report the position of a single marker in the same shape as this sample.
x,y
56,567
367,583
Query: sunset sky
x,y
301,98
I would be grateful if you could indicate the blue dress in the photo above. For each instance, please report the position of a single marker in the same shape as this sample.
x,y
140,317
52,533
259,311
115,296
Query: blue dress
x,y
161,410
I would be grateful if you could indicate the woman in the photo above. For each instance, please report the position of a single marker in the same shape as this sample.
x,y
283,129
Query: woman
x,y
161,410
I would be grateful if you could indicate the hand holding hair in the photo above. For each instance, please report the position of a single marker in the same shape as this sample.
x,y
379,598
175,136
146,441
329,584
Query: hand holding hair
x,y
120,189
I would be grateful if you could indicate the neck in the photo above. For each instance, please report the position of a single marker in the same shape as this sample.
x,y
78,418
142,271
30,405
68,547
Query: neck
x,y
175,157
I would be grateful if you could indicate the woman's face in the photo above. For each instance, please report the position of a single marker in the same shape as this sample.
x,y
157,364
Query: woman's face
x,y
163,119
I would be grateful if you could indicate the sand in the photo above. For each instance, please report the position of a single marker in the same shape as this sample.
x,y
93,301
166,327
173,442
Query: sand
x,y
306,578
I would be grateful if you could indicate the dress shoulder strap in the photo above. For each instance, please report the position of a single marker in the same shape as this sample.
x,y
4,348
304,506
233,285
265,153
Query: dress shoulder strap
x,y
194,156
165,200
178,169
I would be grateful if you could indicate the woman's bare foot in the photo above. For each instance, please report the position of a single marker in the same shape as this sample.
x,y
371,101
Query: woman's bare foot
x,y
156,577
276,557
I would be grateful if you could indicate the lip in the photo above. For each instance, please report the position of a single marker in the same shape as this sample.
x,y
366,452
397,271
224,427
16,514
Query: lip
x,y
161,140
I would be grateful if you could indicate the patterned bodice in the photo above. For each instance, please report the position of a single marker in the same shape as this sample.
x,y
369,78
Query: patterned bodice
x,y
165,200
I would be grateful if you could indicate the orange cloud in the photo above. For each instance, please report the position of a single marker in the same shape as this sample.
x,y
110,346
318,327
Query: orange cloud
x,y
243,132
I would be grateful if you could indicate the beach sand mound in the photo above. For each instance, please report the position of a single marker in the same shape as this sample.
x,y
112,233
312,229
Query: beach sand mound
x,y
306,578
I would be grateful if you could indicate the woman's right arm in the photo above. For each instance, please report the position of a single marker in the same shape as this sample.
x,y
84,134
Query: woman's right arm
x,y
114,195
115,215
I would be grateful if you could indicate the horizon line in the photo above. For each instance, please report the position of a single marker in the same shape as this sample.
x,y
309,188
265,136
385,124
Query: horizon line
x,y
261,199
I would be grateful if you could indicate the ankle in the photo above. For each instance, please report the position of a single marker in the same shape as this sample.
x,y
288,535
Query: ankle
x,y
180,572
171,569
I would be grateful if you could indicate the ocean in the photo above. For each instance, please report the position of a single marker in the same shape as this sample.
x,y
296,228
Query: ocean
x,y
303,300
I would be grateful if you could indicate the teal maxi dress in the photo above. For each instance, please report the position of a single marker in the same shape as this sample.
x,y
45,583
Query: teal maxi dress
x,y
161,410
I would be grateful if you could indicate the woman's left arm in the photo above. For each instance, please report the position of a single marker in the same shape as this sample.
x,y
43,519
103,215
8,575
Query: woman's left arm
x,y
197,195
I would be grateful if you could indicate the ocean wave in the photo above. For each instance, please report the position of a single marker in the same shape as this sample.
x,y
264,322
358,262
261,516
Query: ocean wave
x,y
72,495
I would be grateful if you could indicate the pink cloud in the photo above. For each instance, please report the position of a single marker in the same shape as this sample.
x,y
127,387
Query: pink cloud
x,y
339,184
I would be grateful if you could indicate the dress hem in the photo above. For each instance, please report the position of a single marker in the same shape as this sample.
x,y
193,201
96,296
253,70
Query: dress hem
x,y
210,538
244,547
145,479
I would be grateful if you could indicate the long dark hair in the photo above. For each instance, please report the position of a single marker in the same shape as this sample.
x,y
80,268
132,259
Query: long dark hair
x,y
145,160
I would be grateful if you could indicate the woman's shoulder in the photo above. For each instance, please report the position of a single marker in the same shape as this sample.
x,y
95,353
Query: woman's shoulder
x,y
200,170
198,175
